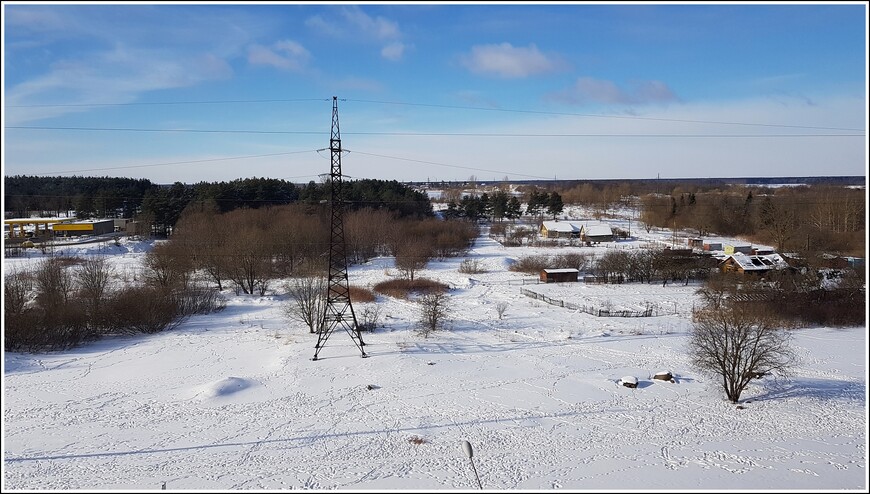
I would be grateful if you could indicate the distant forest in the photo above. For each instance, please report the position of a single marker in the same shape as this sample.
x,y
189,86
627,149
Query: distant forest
x,y
820,214
107,197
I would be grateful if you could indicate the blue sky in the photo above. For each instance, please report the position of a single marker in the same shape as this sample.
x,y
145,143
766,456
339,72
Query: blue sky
x,y
212,92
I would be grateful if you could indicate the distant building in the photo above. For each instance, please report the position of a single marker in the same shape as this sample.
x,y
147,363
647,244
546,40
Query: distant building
x,y
738,248
749,264
561,229
599,233
712,246
560,275
92,227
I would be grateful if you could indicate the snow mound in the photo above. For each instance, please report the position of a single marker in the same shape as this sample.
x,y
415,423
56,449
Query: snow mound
x,y
225,387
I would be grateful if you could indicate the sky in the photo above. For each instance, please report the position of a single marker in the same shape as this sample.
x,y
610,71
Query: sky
x,y
232,401
428,91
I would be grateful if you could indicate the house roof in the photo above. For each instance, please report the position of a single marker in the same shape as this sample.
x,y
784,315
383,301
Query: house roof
x,y
561,270
599,231
759,262
562,226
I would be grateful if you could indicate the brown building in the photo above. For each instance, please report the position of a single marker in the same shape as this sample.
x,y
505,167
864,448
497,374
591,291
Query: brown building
x,y
560,275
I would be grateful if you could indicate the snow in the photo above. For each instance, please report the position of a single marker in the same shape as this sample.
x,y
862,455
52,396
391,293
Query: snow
x,y
232,400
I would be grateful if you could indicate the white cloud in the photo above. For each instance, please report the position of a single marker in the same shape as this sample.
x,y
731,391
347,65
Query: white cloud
x,y
320,24
505,60
393,51
591,90
377,27
355,23
116,76
285,55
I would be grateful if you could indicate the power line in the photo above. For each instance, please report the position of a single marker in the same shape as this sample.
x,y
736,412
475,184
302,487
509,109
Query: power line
x,y
179,163
204,131
151,103
430,134
625,117
449,166
429,105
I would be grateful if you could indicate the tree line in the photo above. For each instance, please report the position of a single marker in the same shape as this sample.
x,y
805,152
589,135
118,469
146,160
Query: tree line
x,y
161,206
501,205
804,219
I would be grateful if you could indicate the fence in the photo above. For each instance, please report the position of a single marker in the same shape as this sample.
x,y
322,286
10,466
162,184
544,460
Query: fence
x,y
651,310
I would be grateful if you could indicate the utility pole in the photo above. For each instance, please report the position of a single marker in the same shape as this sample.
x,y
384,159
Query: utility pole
x,y
339,311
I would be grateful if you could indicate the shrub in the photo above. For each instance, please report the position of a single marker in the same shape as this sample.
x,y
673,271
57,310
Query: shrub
x,y
142,310
62,327
369,317
402,288
360,294
531,264
471,266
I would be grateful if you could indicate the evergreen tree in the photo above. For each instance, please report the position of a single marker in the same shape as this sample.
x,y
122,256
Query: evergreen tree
x,y
555,204
514,209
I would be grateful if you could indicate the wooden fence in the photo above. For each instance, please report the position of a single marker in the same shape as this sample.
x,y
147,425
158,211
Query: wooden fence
x,y
650,311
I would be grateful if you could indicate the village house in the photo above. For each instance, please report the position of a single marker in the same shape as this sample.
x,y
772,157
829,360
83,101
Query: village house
x,y
752,264
599,233
561,229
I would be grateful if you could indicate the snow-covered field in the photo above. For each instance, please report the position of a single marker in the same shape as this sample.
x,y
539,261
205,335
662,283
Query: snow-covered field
x,y
233,401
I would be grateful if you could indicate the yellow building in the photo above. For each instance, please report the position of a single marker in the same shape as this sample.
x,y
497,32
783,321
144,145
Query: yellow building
x,y
20,223
94,227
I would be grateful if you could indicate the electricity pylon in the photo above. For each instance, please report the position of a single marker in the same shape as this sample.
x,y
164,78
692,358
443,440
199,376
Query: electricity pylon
x,y
339,311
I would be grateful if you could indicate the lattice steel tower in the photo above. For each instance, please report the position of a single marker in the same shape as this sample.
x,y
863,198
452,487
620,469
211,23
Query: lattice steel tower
x,y
339,311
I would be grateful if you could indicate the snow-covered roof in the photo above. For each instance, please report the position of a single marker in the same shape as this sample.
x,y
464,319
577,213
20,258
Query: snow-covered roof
x,y
562,270
561,226
759,262
599,230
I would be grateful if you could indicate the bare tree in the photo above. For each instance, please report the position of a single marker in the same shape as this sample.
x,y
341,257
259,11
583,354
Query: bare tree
x,y
93,278
53,283
779,220
168,265
248,258
500,307
201,232
370,315
434,308
307,303
736,345
16,290
413,256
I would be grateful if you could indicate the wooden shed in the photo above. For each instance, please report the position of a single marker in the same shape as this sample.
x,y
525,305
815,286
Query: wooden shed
x,y
560,275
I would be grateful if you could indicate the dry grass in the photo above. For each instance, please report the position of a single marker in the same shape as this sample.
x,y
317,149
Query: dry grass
x,y
360,294
401,288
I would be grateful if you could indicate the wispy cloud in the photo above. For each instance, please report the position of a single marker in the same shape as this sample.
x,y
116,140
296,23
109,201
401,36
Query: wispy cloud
x,y
113,54
352,21
394,51
508,61
590,90
285,55
377,27
117,76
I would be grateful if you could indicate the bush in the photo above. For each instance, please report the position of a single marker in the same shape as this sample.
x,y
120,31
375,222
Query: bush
x,y
402,288
62,327
471,266
360,294
531,264
142,310
369,317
